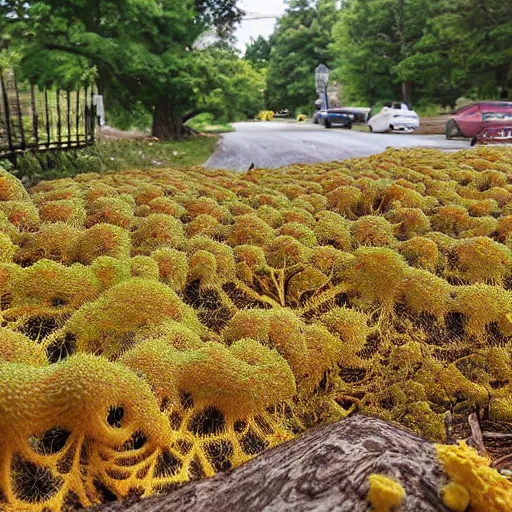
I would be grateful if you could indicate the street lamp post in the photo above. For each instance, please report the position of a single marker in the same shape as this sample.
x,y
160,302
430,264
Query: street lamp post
x,y
322,80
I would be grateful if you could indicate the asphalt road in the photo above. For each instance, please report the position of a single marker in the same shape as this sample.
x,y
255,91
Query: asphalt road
x,y
280,143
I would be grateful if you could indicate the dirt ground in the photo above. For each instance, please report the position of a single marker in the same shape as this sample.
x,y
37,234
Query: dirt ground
x,y
433,125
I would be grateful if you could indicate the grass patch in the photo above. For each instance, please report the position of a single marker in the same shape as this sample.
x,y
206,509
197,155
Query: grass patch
x,y
360,128
206,123
113,155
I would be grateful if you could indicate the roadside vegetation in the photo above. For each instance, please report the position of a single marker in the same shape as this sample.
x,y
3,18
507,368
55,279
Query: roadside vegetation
x,y
206,123
113,155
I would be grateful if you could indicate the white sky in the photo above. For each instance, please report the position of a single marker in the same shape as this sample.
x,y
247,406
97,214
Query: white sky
x,y
255,28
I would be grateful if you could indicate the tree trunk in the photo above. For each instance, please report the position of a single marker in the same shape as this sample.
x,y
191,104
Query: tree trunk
x,y
167,124
327,469
406,92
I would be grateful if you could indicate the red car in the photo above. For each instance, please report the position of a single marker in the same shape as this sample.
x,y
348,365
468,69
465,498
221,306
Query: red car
x,y
469,121
494,134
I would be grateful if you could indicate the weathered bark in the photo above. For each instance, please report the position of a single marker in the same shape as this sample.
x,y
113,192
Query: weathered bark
x,y
326,470
167,124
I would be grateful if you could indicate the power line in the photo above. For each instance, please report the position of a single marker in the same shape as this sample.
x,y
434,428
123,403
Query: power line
x,y
257,16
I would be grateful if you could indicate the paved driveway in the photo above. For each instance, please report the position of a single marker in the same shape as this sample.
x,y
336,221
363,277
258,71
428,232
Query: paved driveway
x,y
280,143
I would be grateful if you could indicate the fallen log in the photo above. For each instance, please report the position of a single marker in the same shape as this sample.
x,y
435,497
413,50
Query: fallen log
x,y
325,470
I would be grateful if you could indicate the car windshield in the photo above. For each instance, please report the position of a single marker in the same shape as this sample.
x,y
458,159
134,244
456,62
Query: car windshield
x,y
497,116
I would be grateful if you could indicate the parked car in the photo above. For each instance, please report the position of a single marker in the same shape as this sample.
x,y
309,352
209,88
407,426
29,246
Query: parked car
x,y
394,117
469,121
334,117
494,134
283,113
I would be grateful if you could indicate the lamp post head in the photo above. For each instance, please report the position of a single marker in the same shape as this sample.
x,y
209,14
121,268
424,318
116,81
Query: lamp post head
x,y
321,77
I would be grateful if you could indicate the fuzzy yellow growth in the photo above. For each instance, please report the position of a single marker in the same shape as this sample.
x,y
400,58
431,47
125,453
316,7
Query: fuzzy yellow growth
x,y
110,271
384,494
240,380
111,210
488,490
11,188
172,333
102,240
455,496
157,231
481,260
420,252
373,231
172,267
300,232
205,225
376,275
207,206
379,283
223,255
217,398
54,241
22,214
345,200
409,221
286,251
250,230
70,211
167,206
7,249
105,326
17,348
144,267
332,229
41,399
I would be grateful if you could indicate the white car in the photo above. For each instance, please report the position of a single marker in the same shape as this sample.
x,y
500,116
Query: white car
x,y
396,117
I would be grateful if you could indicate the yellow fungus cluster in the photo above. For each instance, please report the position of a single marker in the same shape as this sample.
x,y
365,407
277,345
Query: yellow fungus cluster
x,y
473,481
165,325
384,493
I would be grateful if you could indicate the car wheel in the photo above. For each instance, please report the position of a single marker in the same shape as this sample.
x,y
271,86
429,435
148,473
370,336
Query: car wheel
x,y
473,141
452,129
370,128
349,126
328,124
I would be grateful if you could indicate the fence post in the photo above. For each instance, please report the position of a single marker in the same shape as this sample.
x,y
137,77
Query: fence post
x,y
86,117
59,121
35,117
93,116
77,117
47,109
68,105
20,116
7,116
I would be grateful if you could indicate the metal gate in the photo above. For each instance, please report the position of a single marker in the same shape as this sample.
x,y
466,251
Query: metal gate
x,y
39,120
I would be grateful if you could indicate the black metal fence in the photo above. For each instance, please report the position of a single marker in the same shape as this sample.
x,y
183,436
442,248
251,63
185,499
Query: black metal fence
x,y
38,120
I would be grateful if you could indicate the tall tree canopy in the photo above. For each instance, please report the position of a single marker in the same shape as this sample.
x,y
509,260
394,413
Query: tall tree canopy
x,y
300,43
258,51
141,49
432,52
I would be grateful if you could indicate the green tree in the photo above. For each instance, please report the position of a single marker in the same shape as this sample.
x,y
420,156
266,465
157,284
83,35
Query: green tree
x,y
142,50
233,88
257,52
370,40
465,50
300,43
